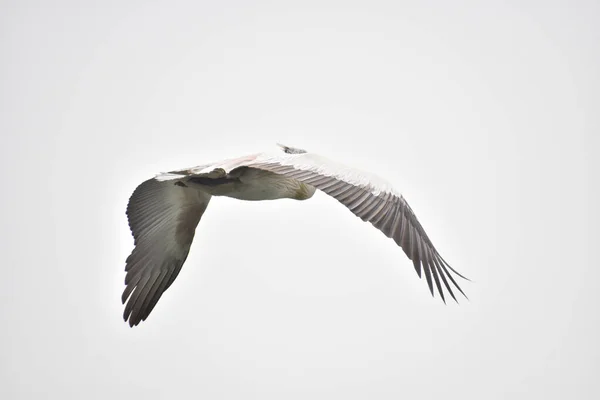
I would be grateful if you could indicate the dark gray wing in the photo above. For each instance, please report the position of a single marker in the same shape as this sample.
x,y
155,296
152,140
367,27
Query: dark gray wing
x,y
388,212
163,217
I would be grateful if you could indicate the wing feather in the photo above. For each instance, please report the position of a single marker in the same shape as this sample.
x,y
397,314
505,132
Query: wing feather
x,y
163,217
373,200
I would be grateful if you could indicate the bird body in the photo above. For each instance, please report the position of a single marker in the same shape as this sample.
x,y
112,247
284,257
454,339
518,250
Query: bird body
x,y
164,211
250,184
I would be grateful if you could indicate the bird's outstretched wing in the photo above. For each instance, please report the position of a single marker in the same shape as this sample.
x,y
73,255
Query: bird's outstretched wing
x,y
163,217
371,199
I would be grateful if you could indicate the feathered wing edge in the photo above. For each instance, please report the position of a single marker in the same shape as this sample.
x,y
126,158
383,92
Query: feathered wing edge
x,y
388,212
163,217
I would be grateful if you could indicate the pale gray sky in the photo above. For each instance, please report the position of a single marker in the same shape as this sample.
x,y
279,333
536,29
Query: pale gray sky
x,y
484,116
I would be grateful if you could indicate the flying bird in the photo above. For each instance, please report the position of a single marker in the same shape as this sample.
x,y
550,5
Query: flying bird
x,y
163,213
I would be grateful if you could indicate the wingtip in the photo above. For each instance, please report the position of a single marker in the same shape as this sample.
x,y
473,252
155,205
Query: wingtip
x,y
442,295
452,269
417,266
132,320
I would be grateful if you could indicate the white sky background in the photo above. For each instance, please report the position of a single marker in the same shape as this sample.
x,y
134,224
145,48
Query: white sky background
x,y
484,117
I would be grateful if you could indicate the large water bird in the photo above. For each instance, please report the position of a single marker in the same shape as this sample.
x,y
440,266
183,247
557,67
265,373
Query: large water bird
x,y
164,211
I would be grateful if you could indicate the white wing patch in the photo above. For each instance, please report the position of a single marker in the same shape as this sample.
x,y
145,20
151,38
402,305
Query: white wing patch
x,y
326,167
168,176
